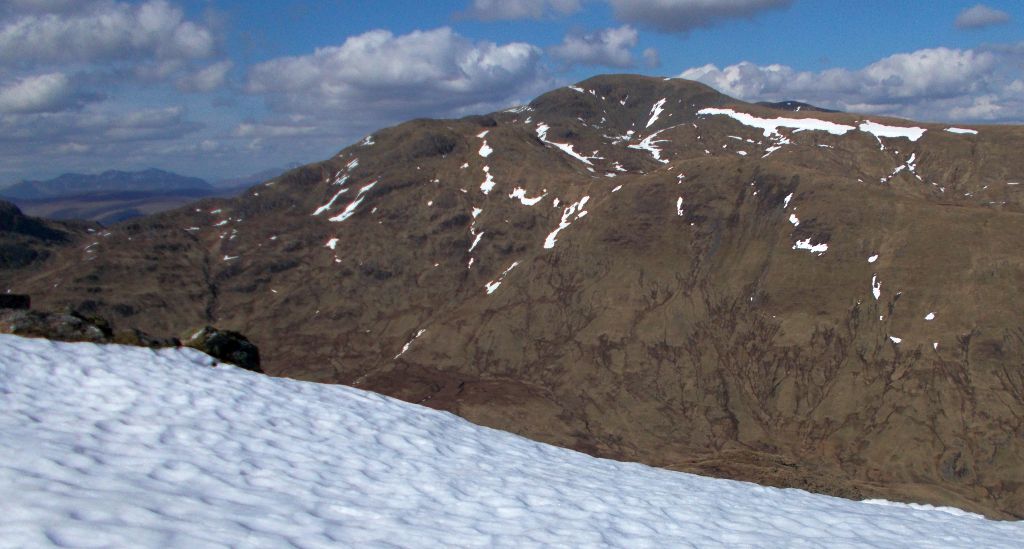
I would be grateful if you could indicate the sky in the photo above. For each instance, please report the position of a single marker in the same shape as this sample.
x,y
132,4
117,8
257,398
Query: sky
x,y
227,88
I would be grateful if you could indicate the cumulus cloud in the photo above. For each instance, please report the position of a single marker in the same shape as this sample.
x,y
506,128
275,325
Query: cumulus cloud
x,y
685,15
607,47
206,79
378,77
250,130
100,31
59,59
29,134
980,16
928,84
9,7
651,58
40,93
93,139
498,10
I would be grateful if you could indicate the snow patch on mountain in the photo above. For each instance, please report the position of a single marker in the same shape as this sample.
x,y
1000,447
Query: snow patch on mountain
x,y
542,134
488,185
330,203
408,344
770,126
805,244
648,144
519,193
576,208
350,210
881,130
493,285
656,111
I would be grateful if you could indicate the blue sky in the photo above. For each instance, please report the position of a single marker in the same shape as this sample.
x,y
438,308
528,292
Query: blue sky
x,y
220,88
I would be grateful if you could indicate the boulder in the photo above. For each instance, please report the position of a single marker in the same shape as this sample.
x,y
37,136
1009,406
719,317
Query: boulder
x,y
15,301
139,338
227,346
57,326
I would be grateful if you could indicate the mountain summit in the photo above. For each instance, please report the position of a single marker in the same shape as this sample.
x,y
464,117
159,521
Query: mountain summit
x,y
638,268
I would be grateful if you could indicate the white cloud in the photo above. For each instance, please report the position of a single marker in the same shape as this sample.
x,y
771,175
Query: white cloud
x,y
44,6
651,58
980,16
206,79
377,77
102,31
607,47
497,10
40,93
32,143
929,84
271,130
94,126
685,15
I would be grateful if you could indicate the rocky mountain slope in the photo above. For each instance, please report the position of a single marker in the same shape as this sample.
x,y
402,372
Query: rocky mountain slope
x,y
638,268
27,242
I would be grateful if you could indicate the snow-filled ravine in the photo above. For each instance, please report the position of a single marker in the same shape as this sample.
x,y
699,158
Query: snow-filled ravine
x,y
110,446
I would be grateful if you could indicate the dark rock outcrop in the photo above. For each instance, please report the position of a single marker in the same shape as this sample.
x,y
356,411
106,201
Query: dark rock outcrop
x,y
58,326
227,346
15,301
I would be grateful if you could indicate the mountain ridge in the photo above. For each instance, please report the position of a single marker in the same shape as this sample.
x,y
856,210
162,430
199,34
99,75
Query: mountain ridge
x,y
638,268
114,196
151,179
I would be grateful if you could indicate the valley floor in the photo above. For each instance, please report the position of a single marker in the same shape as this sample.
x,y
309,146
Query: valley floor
x,y
121,446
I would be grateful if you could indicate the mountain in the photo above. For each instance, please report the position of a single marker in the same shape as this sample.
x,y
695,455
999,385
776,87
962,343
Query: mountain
x,y
121,446
795,106
246,181
114,196
638,268
26,241
75,184
107,208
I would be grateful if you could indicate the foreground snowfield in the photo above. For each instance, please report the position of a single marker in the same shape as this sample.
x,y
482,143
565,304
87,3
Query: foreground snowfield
x,y
127,447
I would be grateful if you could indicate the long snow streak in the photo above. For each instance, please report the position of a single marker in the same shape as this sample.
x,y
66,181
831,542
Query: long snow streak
x,y
770,126
576,208
656,111
350,210
881,130
648,144
542,134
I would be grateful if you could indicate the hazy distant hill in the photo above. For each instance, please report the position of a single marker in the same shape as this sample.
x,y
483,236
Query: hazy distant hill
x,y
795,106
114,196
250,180
75,184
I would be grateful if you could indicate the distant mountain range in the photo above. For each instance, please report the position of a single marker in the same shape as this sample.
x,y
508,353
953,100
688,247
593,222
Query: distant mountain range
x,y
74,184
114,196
795,106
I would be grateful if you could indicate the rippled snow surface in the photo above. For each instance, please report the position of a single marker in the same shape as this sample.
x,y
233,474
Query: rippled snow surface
x,y
109,446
